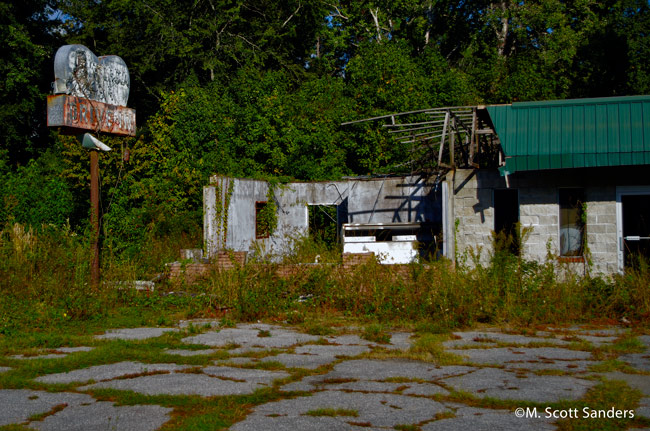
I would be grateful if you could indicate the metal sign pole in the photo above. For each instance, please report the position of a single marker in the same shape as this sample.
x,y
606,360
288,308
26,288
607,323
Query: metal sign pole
x,y
94,217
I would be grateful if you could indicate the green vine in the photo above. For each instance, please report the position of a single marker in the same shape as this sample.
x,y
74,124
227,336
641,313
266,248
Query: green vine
x,y
267,218
231,187
586,251
268,215
221,208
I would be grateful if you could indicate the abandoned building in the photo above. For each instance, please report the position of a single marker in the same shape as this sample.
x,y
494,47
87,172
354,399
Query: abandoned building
x,y
572,174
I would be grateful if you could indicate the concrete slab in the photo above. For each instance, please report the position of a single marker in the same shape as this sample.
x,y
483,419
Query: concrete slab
x,y
425,389
329,350
247,336
645,339
238,361
349,339
134,333
477,419
74,349
359,386
373,411
18,405
187,353
104,415
483,338
249,375
507,385
616,331
635,381
597,340
372,369
292,360
533,358
640,361
644,407
180,384
44,356
399,341
107,372
58,353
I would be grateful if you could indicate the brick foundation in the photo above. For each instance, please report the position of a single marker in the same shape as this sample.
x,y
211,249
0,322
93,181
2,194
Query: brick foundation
x,y
189,273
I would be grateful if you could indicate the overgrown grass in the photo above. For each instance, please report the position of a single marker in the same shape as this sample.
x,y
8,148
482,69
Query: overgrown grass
x,y
44,285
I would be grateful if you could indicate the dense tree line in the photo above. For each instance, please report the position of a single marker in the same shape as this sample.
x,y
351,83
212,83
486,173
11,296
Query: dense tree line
x,y
260,87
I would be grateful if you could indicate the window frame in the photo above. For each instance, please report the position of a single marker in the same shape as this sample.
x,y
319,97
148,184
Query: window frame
x,y
579,194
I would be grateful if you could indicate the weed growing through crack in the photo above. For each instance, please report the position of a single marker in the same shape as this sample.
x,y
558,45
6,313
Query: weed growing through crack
x,y
332,412
376,333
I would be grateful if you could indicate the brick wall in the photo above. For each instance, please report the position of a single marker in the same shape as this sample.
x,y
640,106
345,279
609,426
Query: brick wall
x,y
192,272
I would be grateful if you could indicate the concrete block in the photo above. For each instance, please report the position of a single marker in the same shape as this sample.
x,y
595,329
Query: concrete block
x,y
606,219
529,220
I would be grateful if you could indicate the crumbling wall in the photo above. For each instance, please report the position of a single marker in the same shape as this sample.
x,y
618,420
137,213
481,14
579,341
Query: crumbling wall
x,y
229,209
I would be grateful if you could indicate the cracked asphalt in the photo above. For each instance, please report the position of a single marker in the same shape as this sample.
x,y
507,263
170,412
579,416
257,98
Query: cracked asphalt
x,y
335,382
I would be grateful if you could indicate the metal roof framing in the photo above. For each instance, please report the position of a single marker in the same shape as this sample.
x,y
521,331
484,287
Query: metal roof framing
x,y
440,138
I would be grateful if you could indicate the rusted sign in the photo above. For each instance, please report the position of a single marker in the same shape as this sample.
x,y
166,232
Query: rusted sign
x,y
77,114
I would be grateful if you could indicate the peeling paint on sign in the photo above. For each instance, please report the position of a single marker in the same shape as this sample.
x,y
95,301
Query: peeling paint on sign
x,y
78,114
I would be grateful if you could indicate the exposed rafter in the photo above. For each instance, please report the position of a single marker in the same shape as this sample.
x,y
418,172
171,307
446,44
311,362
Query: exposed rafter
x,y
441,138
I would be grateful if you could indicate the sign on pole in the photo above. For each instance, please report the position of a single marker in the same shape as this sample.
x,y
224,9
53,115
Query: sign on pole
x,y
90,93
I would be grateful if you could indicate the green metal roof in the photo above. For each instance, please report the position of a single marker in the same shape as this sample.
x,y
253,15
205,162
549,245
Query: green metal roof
x,y
578,133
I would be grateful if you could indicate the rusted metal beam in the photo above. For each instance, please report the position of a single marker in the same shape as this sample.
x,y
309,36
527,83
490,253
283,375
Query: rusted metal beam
x,y
94,217
442,141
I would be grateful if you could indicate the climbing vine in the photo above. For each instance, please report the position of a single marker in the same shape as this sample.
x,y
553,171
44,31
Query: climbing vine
x,y
267,218
231,187
221,207
586,251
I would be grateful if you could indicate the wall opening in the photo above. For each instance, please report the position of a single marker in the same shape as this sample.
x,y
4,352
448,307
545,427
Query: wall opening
x,y
506,221
262,224
636,229
572,226
324,224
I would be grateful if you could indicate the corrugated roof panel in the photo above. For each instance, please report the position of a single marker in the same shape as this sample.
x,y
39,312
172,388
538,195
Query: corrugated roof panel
x,y
636,127
578,135
646,123
574,133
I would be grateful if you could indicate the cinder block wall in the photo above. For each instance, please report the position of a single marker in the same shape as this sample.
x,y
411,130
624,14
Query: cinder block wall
x,y
601,228
473,215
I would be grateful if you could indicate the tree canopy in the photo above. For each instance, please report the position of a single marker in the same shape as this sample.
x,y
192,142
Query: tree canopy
x,y
259,87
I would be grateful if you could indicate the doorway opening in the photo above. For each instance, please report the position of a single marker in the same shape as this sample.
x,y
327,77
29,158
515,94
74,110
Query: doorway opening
x,y
506,221
635,229
324,225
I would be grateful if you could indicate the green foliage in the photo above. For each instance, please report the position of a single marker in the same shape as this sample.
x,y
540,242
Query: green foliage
x,y
28,35
260,90
375,333
36,194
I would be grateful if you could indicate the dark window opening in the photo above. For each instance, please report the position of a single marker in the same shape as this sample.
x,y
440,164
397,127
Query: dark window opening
x,y
636,229
572,224
324,224
506,221
262,222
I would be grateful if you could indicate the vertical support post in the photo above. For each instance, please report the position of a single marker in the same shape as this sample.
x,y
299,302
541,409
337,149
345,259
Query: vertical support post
x,y
452,141
94,217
